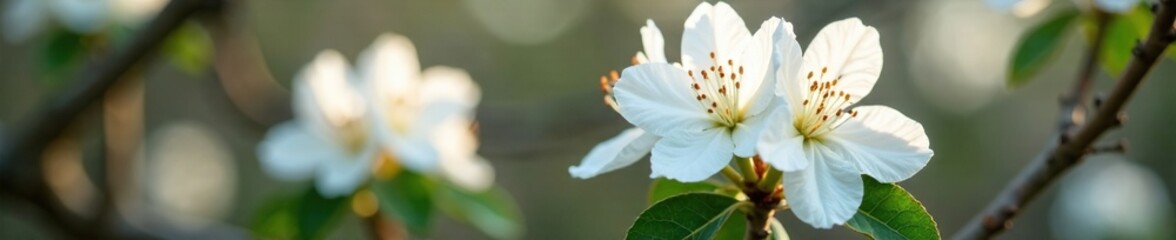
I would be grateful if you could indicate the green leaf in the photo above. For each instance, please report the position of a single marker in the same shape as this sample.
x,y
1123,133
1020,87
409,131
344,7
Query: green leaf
x,y
407,197
734,228
684,216
1037,48
60,56
492,210
1122,34
317,215
302,216
889,212
276,219
663,188
189,48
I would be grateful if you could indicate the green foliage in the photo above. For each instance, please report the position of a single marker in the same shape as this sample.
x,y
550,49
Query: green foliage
x,y
1038,48
492,210
663,188
189,48
734,228
890,212
407,197
685,216
60,56
1122,34
303,216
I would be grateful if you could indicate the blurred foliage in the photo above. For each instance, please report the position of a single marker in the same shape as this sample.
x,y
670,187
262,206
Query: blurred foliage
x,y
189,48
302,216
1039,47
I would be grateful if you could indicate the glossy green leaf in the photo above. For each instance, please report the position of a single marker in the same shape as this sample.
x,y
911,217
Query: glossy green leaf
x,y
1038,48
663,188
189,48
1123,32
492,211
684,216
890,212
408,198
303,216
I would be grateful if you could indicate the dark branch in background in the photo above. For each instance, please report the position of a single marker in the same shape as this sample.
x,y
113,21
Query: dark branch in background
x,y
1075,137
20,156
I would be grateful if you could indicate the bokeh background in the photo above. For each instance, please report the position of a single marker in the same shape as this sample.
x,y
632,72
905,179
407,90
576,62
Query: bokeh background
x,y
189,139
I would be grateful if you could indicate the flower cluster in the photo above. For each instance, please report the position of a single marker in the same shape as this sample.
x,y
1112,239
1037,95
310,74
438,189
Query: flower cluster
x,y
385,111
736,94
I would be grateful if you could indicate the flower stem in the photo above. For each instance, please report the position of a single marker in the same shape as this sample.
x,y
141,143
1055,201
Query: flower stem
x,y
771,180
732,175
748,168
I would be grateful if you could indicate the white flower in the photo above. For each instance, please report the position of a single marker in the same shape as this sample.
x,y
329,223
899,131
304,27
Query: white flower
x,y
25,18
712,107
819,142
328,138
423,119
632,144
1026,8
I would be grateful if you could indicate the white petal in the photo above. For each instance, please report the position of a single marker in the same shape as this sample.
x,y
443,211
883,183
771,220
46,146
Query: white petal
x,y
1116,6
290,153
828,192
136,12
23,19
323,98
780,144
657,98
692,157
341,176
883,143
474,174
717,29
615,153
757,87
415,150
450,90
457,148
747,134
389,66
653,42
849,50
787,63
81,16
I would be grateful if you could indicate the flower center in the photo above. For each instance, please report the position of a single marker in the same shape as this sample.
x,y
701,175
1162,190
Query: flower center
x,y
823,107
718,90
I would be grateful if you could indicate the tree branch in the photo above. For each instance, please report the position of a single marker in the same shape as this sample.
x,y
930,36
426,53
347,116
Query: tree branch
x,y
1074,137
20,168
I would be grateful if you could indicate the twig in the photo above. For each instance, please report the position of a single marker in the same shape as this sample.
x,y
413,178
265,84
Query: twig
x,y
1073,142
20,166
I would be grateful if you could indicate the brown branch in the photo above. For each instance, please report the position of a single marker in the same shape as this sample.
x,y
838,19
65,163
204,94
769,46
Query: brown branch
x,y
20,168
1075,138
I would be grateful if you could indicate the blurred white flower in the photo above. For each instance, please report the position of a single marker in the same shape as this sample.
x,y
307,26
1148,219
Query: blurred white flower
x,y
1026,8
328,139
819,142
634,143
1112,199
25,18
192,177
1019,8
423,120
712,107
